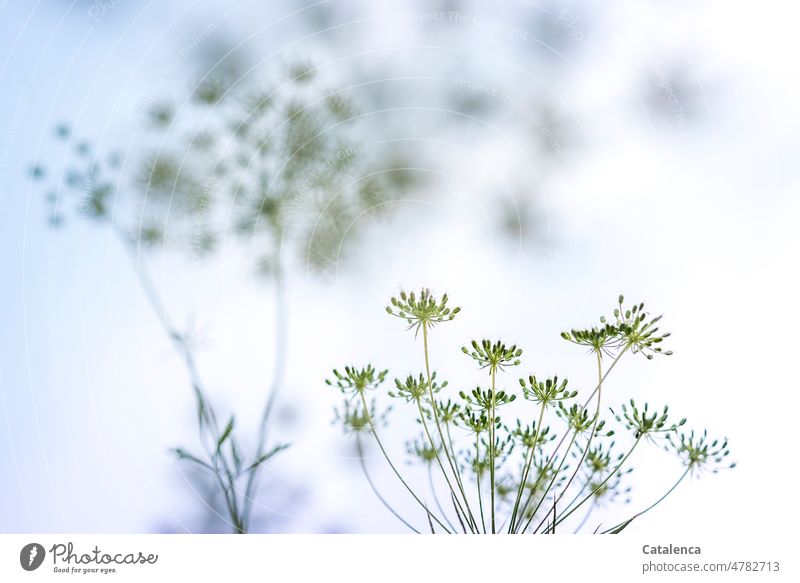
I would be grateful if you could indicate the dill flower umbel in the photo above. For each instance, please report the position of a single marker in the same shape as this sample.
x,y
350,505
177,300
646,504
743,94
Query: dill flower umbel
x,y
529,473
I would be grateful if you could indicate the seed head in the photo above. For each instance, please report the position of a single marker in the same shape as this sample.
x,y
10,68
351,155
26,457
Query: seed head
x,y
476,422
415,388
639,331
632,328
527,436
643,423
698,453
494,355
354,418
603,340
600,459
546,392
605,493
578,418
421,310
422,450
485,400
448,411
357,380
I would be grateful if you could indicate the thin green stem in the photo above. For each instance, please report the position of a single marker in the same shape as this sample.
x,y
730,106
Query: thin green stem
x,y
360,448
478,478
493,371
584,520
391,465
594,425
550,485
436,454
601,484
206,413
654,504
453,450
177,338
580,492
675,485
526,469
230,500
436,498
608,372
468,513
542,475
564,436
281,345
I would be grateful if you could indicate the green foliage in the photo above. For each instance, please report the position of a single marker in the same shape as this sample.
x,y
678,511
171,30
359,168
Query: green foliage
x,y
539,473
222,462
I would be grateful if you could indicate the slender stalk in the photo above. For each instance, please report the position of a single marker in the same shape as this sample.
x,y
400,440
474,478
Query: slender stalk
x,y
603,378
162,315
564,436
374,488
535,485
468,513
478,478
550,485
230,498
594,425
657,502
654,504
281,344
459,508
458,515
580,492
453,450
526,463
185,350
601,484
492,443
391,465
584,520
436,499
526,469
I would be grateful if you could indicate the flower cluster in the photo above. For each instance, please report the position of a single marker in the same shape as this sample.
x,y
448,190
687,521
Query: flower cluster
x,y
633,329
644,424
698,452
493,355
538,470
421,309
357,380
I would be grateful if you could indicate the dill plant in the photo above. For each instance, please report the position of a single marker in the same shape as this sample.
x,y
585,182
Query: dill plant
x,y
278,167
543,473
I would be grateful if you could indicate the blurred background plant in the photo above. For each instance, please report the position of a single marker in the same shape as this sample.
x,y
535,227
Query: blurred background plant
x,y
499,456
280,170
